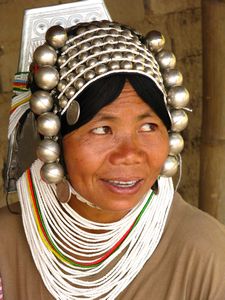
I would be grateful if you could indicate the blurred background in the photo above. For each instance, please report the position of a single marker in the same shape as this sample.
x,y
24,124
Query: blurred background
x,y
194,31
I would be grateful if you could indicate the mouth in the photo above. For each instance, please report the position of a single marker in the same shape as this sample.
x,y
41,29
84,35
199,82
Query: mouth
x,y
123,186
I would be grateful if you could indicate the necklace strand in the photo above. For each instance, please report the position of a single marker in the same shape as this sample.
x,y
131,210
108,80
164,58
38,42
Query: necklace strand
x,y
66,281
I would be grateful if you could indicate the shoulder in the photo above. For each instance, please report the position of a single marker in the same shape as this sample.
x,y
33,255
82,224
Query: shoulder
x,y
11,228
197,236
196,224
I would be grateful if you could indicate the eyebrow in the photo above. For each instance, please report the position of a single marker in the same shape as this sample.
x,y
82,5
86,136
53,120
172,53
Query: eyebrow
x,y
108,117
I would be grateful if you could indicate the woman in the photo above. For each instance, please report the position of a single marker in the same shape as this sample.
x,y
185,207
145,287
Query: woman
x,y
102,220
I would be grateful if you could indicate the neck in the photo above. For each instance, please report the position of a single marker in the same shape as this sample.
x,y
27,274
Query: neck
x,y
95,214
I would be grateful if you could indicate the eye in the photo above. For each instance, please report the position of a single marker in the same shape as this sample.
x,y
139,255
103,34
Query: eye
x,y
148,127
102,130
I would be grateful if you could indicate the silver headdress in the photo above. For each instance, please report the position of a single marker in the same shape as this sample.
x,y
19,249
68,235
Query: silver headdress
x,y
72,58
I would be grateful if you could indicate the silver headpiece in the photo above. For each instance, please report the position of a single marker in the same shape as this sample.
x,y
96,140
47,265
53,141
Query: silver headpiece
x,y
73,58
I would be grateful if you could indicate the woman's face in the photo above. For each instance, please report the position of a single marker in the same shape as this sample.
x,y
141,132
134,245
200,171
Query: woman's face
x,y
115,158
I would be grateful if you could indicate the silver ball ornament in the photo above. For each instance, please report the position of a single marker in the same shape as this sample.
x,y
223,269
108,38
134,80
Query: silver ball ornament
x,y
41,102
61,85
127,65
70,92
63,72
179,120
176,143
63,101
45,55
172,77
61,60
89,75
166,59
170,166
117,55
48,151
114,65
48,124
46,77
178,97
155,41
101,69
79,83
56,36
52,173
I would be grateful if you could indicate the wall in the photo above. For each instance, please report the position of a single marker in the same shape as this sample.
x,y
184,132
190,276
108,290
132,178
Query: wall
x,y
178,20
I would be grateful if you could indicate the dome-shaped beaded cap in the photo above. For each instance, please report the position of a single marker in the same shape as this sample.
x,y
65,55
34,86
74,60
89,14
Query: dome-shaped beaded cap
x,y
89,51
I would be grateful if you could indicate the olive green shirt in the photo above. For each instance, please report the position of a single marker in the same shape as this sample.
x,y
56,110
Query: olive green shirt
x,y
188,263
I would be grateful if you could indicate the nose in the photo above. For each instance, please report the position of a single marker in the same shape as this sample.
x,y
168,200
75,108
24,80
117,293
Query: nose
x,y
128,151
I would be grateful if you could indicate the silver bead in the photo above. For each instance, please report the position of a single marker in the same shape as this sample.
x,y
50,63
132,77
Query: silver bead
x,y
91,62
129,55
72,52
63,71
48,151
48,124
81,30
70,77
121,46
104,57
155,41
121,39
172,77
96,50
114,65
56,36
79,83
108,47
63,101
64,48
89,75
149,71
41,102
80,69
178,96
88,36
72,63
109,39
101,32
92,27
139,66
62,60
83,56
132,47
61,85
170,166
96,42
70,92
126,33
166,59
101,69
46,77
113,32
45,55
52,173
176,143
139,58
179,120
85,46
117,55
127,65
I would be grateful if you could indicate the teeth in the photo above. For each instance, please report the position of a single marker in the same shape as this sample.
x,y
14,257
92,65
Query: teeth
x,y
123,183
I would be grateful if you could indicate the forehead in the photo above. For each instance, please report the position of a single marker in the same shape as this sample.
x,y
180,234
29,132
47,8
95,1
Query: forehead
x,y
127,100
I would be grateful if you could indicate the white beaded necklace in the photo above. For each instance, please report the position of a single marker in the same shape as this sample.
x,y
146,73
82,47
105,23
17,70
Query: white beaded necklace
x,y
68,231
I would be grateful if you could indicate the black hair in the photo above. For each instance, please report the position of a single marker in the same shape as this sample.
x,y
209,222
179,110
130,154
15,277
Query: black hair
x,y
105,90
